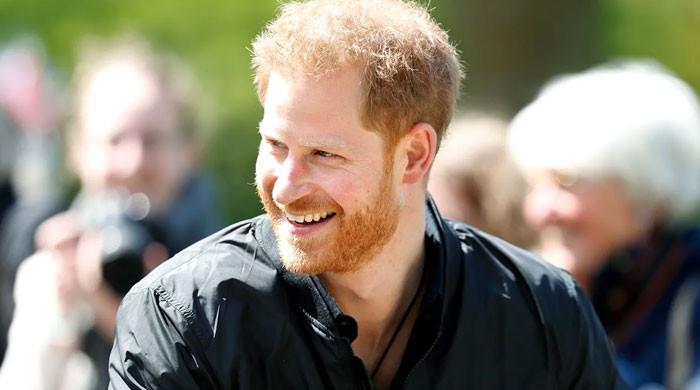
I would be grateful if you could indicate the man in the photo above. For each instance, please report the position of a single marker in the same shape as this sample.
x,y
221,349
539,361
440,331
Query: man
x,y
133,148
352,280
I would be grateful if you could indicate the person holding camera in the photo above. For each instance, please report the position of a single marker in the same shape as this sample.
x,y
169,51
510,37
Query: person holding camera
x,y
141,199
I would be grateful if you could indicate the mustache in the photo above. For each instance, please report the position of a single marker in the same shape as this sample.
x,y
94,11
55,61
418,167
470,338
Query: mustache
x,y
309,205
306,205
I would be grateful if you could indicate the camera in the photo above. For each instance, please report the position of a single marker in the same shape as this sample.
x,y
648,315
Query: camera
x,y
120,219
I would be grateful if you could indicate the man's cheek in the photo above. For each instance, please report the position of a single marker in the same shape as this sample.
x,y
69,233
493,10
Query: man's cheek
x,y
264,174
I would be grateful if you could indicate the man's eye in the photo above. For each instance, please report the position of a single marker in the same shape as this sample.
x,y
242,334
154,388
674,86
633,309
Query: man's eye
x,y
276,144
565,180
323,154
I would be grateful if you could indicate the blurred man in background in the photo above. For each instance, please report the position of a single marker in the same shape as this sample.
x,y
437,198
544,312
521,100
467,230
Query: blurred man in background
x,y
613,155
474,180
134,149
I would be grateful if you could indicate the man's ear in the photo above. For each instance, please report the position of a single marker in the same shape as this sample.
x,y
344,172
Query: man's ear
x,y
420,144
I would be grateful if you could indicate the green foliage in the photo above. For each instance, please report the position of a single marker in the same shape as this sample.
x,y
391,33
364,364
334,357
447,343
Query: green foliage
x,y
667,31
510,48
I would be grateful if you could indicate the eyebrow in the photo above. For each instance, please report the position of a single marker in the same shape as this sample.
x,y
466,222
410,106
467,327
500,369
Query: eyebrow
x,y
324,141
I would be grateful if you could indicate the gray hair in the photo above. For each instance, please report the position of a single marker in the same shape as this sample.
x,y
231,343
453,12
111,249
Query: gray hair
x,y
635,121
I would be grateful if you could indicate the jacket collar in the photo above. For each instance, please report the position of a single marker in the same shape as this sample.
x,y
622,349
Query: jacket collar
x,y
307,292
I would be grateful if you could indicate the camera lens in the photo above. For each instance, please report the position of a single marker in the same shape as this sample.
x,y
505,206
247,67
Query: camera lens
x,y
124,244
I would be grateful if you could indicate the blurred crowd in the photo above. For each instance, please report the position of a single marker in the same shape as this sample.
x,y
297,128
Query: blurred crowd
x,y
100,182
603,169
70,249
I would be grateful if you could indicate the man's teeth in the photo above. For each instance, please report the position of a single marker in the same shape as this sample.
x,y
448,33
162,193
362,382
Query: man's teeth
x,y
308,217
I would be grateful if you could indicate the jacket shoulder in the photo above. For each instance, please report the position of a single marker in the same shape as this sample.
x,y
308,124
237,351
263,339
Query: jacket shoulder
x,y
540,276
195,320
226,267
574,340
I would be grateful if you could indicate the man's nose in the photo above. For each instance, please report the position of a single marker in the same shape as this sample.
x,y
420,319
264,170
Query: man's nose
x,y
294,180
132,159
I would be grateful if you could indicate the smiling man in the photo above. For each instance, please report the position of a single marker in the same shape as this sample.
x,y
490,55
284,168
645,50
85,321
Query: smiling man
x,y
352,279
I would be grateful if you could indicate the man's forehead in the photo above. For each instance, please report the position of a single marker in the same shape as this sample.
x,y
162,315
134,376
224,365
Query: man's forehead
x,y
345,84
112,104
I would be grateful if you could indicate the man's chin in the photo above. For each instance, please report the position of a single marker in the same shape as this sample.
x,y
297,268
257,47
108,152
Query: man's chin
x,y
299,261
304,266
301,268
314,262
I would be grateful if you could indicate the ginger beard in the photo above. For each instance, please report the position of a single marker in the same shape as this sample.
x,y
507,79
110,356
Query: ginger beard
x,y
346,245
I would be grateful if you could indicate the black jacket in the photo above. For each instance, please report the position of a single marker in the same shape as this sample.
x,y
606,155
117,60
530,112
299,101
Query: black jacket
x,y
224,314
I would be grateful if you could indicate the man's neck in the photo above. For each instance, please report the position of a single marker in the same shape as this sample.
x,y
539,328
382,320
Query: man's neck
x,y
378,295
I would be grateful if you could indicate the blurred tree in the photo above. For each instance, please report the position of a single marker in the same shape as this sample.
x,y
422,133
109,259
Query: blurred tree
x,y
664,30
509,47
512,47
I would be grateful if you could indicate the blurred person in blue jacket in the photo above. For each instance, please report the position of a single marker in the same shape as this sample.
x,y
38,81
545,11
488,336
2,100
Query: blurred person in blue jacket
x,y
30,163
613,156
134,149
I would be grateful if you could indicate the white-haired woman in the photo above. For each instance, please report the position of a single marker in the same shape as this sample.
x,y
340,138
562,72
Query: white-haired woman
x,y
613,159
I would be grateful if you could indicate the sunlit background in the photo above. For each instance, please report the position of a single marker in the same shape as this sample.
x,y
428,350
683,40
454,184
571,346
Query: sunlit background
x,y
510,49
